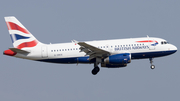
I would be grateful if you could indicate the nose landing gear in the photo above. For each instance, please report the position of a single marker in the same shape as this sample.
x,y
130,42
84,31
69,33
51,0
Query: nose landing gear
x,y
151,61
152,67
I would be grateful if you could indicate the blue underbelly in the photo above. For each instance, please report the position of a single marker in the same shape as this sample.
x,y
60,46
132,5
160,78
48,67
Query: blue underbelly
x,y
143,55
151,54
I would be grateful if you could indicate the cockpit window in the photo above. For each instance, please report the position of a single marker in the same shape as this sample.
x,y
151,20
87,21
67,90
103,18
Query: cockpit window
x,y
164,42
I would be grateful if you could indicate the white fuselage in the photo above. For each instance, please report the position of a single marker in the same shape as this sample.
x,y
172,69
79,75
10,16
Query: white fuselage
x,y
142,49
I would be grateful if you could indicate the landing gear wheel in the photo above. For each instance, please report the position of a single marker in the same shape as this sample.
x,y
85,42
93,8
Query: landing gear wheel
x,y
152,66
151,61
95,70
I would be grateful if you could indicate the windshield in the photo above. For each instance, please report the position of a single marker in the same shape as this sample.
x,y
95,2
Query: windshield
x,y
164,42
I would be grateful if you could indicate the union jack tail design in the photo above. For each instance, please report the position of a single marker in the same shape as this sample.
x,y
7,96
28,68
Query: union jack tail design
x,y
20,36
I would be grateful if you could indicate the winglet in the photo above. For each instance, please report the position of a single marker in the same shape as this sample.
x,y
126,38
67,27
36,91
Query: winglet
x,y
74,41
147,36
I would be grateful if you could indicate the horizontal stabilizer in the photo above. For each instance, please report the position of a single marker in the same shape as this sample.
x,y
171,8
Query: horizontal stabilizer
x,y
16,50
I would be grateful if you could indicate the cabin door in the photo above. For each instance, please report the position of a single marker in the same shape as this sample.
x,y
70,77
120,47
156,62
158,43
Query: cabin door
x,y
44,52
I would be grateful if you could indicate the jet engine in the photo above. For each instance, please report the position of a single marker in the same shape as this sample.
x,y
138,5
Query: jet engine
x,y
117,60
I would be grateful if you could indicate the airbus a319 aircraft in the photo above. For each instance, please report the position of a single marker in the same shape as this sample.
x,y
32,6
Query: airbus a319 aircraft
x,y
109,53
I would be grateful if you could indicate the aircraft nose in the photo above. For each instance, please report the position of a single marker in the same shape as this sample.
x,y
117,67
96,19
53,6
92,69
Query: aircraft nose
x,y
174,48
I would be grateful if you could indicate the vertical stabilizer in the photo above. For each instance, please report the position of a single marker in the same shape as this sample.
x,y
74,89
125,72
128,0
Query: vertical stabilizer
x,y
20,36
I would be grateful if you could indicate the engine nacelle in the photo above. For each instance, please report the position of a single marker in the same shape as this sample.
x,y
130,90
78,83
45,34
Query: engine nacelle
x,y
117,60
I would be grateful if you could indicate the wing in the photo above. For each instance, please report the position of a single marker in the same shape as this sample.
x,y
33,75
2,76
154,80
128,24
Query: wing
x,y
92,51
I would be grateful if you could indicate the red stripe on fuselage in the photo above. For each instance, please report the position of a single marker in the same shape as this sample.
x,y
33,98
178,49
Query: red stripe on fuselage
x,y
146,41
13,26
27,44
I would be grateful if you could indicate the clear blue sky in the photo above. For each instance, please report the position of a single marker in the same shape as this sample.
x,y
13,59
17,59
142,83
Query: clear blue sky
x,y
57,21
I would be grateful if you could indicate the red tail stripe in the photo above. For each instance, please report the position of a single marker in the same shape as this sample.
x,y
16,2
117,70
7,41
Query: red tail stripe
x,y
27,44
146,41
13,26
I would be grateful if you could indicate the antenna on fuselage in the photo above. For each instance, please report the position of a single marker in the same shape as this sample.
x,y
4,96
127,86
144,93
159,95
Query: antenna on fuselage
x,y
148,38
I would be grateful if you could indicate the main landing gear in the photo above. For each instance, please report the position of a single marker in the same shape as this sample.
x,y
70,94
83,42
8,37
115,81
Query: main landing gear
x,y
96,68
151,61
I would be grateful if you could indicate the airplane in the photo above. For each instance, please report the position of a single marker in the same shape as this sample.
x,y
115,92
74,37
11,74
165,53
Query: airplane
x,y
114,53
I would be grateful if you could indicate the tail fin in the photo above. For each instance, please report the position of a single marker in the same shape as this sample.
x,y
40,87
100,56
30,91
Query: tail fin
x,y
20,36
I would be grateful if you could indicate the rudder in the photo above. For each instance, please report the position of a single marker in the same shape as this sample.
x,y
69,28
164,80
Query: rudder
x,y
20,36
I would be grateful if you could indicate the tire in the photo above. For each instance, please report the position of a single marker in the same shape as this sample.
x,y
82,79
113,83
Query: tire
x,y
95,70
152,67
